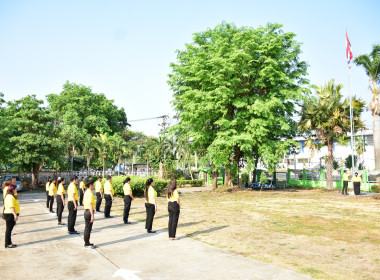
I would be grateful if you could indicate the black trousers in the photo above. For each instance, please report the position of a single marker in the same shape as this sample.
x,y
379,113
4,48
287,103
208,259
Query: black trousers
x,y
72,216
88,227
60,208
10,223
150,211
47,199
51,202
98,201
173,208
81,195
357,188
127,207
345,187
107,207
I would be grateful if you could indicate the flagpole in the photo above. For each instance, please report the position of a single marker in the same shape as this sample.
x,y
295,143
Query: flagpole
x,y
351,122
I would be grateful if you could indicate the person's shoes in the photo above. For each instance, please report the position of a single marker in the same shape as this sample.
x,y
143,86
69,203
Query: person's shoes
x,y
61,224
90,246
151,231
173,238
109,217
11,246
127,223
73,232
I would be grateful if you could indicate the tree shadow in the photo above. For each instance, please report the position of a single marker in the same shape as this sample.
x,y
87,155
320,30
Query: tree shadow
x,y
136,237
195,233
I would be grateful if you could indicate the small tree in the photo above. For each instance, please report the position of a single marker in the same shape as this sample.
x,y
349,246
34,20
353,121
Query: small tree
x,y
348,161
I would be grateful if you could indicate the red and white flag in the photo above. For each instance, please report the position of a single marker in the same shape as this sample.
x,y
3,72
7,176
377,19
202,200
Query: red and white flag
x,y
349,54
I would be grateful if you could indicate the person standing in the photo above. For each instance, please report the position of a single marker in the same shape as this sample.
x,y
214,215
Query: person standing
x,y
173,208
72,205
150,204
99,193
52,193
345,183
11,213
356,180
60,200
47,186
108,196
89,206
128,197
82,188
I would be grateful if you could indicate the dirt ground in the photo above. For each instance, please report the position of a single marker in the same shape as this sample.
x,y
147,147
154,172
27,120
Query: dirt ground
x,y
317,233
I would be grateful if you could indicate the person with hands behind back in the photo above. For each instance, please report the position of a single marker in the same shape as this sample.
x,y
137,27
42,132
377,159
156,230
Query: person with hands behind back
x,y
72,205
128,197
60,200
108,196
89,207
173,208
82,189
11,213
99,193
150,204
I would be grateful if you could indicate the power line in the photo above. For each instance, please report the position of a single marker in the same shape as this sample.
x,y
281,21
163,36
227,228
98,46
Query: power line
x,y
147,119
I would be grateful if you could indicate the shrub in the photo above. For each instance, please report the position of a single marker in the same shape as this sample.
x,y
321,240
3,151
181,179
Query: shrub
x,y
375,188
137,185
263,178
245,178
192,183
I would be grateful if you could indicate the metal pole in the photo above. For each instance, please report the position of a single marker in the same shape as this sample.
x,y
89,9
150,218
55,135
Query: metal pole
x,y
351,123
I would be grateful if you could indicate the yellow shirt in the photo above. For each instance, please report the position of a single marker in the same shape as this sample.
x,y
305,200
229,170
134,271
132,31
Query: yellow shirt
x,y
47,186
108,188
98,186
127,189
61,189
345,177
152,194
82,185
11,202
89,199
174,197
52,189
356,179
72,189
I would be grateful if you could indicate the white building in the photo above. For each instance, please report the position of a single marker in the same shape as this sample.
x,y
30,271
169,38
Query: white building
x,y
304,158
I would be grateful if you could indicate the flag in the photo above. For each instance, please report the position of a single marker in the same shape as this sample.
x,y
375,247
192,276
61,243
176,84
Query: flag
x,y
349,54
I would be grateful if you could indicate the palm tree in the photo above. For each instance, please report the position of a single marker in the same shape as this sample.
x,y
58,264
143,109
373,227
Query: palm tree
x,y
328,119
120,148
371,65
88,149
103,145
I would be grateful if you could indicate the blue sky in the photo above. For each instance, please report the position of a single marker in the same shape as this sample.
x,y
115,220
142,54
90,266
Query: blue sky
x,y
123,48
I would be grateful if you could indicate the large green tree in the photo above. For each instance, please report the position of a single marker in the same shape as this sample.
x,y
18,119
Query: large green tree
x,y
93,112
34,141
236,90
371,65
327,116
6,131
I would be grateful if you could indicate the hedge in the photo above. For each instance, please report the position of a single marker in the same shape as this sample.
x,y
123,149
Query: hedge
x,y
138,184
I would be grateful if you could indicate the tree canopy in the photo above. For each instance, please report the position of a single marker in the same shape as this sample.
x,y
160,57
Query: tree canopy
x,y
236,91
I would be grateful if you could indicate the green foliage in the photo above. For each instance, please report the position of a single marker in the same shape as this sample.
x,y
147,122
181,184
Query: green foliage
x,y
192,183
236,90
327,118
93,112
263,178
375,188
35,138
348,161
336,164
244,177
137,185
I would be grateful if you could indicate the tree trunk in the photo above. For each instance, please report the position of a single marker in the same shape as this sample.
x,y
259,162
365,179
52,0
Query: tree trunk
x,y
254,175
227,177
215,175
329,166
118,165
376,139
160,173
103,167
35,173
88,165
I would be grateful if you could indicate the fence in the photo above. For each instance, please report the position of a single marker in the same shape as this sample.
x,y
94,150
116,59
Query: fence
x,y
317,179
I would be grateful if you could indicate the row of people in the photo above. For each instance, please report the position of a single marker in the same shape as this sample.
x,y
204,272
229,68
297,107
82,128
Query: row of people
x,y
11,209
